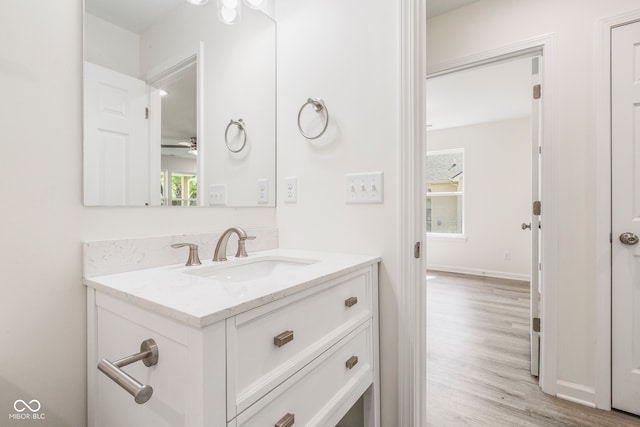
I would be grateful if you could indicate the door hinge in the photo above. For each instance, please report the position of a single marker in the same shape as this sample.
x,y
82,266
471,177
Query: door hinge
x,y
539,149
537,92
146,113
536,324
610,237
416,250
537,207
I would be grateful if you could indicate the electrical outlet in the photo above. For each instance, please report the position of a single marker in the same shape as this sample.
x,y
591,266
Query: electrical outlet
x,y
217,194
363,188
290,189
263,191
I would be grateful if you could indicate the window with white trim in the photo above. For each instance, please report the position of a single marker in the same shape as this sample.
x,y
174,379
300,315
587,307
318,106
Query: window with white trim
x,y
445,193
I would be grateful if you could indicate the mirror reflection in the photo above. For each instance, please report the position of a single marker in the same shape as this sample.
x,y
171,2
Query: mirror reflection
x,y
179,107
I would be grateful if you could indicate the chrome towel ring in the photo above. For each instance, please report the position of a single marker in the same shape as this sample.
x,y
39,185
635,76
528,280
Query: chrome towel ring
x,y
242,128
318,106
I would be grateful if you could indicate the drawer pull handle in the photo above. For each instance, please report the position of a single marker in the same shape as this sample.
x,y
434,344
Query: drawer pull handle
x,y
286,421
350,302
283,338
351,362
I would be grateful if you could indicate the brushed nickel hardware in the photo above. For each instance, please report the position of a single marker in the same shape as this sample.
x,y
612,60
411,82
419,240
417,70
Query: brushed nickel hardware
x,y
286,421
350,302
318,106
537,208
629,238
525,226
351,362
149,356
537,92
193,259
416,250
146,113
220,254
283,338
242,127
536,324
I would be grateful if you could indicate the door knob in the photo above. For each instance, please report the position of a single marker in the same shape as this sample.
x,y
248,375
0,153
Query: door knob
x,y
629,239
525,226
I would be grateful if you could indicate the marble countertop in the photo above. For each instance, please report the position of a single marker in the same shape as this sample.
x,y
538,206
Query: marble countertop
x,y
180,293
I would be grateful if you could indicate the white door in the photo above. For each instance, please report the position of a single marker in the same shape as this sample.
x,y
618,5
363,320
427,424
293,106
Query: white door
x,y
116,141
536,110
625,216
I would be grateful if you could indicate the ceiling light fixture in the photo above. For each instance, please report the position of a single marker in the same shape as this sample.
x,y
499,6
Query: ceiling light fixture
x,y
198,2
229,11
254,4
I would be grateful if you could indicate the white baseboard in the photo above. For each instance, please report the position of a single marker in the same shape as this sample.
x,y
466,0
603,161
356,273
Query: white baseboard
x,y
576,393
479,272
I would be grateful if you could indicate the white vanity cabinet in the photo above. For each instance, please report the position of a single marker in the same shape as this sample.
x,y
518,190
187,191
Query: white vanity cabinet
x,y
296,358
188,381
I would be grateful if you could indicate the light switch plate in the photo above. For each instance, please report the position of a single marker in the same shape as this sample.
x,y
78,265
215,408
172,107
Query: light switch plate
x,y
363,188
217,194
263,191
290,189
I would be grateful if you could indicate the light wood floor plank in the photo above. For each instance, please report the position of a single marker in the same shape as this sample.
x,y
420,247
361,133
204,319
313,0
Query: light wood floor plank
x,y
478,360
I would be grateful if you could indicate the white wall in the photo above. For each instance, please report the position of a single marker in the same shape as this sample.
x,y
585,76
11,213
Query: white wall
x,y
497,200
490,24
347,53
111,46
43,309
178,164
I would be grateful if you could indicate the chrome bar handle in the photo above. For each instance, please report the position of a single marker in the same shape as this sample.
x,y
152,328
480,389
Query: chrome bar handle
x,y
149,356
351,362
283,338
350,302
286,421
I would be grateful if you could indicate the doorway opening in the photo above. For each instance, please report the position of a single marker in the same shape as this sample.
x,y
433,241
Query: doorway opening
x,y
494,117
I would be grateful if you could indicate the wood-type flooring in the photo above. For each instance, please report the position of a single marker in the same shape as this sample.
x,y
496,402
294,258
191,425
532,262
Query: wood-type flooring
x,y
478,365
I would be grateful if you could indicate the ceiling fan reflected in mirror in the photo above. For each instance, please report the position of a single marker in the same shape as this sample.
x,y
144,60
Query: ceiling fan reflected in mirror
x,y
191,146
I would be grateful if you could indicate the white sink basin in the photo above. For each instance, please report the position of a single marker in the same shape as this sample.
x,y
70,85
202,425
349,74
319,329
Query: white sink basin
x,y
251,269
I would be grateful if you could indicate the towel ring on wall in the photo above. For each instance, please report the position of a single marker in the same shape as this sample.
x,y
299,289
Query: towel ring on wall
x,y
318,106
242,127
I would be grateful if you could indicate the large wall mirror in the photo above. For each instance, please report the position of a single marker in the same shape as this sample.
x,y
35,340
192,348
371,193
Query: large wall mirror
x,y
179,107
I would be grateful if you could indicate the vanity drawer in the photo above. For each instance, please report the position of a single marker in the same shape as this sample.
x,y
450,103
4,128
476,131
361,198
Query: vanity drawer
x,y
312,395
267,345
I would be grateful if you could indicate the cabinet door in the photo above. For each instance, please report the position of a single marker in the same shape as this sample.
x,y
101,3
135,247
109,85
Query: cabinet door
x,y
117,338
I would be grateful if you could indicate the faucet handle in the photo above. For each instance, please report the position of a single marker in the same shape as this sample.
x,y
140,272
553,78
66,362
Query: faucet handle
x,y
242,250
193,259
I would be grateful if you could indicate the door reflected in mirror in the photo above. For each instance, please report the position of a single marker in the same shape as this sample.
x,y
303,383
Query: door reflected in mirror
x,y
162,82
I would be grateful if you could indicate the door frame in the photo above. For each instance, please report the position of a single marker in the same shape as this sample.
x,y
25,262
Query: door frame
x,y
411,289
546,45
602,74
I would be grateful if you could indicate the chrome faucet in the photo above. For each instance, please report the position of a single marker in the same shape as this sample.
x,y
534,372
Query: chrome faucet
x,y
220,253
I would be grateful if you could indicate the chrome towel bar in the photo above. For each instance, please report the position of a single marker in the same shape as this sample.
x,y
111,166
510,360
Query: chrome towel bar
x,y
149,356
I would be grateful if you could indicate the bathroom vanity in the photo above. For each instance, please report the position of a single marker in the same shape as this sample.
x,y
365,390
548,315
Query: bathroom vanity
x,y
279,338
